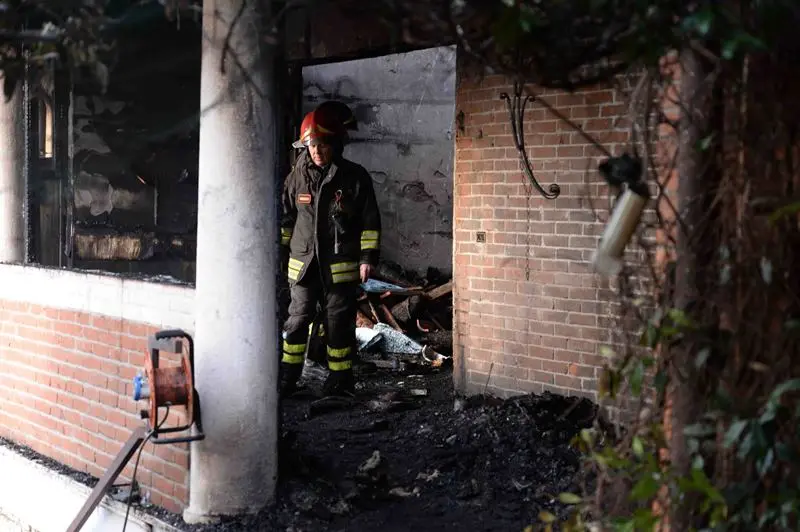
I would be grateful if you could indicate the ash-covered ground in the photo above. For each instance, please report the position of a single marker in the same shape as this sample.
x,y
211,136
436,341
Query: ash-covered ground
x,y
406,454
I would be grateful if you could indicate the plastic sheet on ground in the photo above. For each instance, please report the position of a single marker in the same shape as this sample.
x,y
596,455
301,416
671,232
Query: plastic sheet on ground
x,y
385,339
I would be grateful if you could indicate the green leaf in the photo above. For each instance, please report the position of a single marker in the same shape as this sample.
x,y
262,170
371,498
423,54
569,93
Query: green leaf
x,y
645,519
614,380
704,22
702,357
705,143
729,48
768,415
645,489
638,446
785,211
723,399
569,498
693,445
703,484
785,453
725,274
623,524
660,381
607,352
766,270
754,443
746,446
734,432
546,517
636,378
679,317
650,337
784,387
763,466
699,430
741,40
699,22
736,493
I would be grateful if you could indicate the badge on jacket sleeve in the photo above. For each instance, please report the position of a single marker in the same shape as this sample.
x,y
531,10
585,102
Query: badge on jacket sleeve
x,y
304,199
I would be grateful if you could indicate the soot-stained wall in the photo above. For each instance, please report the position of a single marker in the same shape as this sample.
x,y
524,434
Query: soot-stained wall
x,y
405,107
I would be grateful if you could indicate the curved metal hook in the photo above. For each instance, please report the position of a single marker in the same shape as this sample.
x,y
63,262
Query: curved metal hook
x,y
516,110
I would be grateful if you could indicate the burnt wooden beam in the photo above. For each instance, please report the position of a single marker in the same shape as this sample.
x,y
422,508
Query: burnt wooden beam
x,y
94,244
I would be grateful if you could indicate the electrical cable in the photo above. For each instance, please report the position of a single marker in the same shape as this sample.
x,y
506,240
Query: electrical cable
x,y
136,466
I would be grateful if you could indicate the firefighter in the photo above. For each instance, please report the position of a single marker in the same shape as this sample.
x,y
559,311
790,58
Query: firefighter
x,y
331,226
316,352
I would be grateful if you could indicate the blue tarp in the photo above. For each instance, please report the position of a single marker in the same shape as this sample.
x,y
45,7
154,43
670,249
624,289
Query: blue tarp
x,y
374,286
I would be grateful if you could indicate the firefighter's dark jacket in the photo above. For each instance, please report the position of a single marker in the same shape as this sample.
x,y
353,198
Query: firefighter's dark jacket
x,y
312,197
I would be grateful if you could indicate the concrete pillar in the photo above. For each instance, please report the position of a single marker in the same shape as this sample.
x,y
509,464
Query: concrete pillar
x,y
234,470
12,185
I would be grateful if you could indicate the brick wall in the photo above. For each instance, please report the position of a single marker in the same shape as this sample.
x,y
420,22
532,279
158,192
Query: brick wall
x,y
66,385
529,314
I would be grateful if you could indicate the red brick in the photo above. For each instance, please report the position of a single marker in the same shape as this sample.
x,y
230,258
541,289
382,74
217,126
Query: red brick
x,y
163,485
182,495
69,328
175,473
564,381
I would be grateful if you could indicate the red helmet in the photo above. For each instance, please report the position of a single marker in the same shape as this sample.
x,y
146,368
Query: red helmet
x,y
320,126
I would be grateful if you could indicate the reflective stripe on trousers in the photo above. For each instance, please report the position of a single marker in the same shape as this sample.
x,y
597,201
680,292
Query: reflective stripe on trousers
x,y
340,359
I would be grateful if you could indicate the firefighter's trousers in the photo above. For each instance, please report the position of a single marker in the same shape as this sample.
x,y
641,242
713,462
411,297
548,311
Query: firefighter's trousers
x,y
339,304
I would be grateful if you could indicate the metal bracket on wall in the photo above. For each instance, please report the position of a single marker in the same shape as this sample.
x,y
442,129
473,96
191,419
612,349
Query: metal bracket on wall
x,y
516,109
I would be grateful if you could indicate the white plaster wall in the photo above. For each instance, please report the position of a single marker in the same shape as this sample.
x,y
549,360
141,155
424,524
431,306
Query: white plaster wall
x,y
159,304
34,498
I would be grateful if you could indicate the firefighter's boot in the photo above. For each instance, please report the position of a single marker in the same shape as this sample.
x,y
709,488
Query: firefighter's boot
x,y
289,375
340,383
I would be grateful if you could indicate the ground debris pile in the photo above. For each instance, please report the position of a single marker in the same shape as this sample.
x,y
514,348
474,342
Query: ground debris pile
x,y
417,308
439,462
405,454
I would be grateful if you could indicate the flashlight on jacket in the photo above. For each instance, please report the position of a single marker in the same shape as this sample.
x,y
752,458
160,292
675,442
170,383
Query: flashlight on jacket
x,y
623,173
338,221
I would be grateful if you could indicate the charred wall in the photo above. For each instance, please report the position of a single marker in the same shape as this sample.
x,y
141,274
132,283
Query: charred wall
x,y
405,107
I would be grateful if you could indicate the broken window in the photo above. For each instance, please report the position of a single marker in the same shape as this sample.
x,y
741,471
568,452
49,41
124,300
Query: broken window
x,y
112,169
